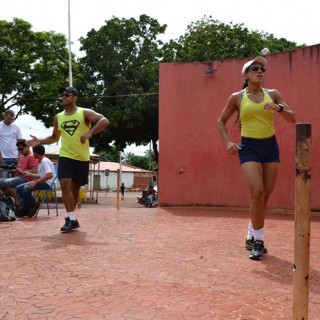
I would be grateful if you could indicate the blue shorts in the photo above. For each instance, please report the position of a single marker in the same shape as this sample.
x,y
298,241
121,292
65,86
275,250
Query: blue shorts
x,y
259,150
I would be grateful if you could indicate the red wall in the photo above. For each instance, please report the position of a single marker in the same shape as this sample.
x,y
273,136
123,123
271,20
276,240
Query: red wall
x,y
194,168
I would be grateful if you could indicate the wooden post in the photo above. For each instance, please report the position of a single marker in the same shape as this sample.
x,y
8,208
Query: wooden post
x,y
118,189
302,222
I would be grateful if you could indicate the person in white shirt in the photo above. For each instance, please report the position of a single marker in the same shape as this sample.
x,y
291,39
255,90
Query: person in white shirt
x,y
10,133
42,181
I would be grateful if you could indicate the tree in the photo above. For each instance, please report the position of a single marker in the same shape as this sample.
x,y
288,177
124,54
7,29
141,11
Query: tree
x,y
120,70
33,66
118,75
142,162
210,40
127,156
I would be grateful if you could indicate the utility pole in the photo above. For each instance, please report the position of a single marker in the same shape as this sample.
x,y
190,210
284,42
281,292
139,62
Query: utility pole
x,y
70,53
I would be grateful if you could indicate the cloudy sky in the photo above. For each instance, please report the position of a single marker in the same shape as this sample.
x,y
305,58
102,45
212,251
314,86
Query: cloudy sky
x,y
293,20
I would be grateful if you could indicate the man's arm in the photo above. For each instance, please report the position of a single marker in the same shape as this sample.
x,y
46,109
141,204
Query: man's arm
x,y
100,121
49,140
31,184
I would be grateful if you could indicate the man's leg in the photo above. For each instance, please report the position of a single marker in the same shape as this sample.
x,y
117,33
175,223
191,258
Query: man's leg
x,y
21,194
67,194
70,196
26,199
75,192
11,192
9,187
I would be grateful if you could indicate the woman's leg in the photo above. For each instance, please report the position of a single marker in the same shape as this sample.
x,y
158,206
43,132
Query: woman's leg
x,y
270,173
260,180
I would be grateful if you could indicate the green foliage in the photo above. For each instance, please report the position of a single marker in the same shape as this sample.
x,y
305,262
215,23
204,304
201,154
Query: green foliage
x,y
33,66
121,67
210,40
142,162
112,154
127,156
146,162
118,75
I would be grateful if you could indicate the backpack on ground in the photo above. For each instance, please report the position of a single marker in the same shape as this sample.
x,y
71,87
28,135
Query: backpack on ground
x,y
7,209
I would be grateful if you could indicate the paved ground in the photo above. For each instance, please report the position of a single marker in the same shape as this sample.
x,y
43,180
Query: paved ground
x,y
137,263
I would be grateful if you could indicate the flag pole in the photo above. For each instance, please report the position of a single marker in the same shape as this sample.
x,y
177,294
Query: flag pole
x,y
69,41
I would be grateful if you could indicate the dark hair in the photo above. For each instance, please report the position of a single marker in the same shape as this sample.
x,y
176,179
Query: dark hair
x,y
9,112
39,149
245,85
21,143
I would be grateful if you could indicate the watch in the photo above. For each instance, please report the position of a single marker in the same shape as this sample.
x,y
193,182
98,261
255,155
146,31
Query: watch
x,y
281,106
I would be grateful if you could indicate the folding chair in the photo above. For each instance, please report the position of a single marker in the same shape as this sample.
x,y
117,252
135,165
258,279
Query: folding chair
x,y
47,193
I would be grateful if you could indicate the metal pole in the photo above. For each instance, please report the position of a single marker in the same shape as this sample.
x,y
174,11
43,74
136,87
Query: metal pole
x,y
120,175
120,165
302,216
70,53
150,164
118,188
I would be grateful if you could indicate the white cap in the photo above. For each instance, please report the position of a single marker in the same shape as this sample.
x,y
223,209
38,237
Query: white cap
x,y
260,60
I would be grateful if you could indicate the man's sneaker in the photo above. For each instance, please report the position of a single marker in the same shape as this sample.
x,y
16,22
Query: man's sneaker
x,y
257,250
34,209
70,225
20,213
249,245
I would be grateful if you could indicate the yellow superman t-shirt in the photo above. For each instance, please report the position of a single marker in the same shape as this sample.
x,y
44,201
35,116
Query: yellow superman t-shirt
x,y
72,127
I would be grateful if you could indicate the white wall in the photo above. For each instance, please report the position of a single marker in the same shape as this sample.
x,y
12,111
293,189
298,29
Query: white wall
x,y
111,180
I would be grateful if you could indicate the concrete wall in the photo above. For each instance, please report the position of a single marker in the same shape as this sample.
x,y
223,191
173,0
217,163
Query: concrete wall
x,y
194,168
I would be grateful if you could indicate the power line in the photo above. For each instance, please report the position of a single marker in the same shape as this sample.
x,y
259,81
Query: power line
x,y
93,97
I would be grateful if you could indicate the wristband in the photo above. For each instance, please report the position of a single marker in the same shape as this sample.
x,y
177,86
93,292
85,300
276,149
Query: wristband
x,y
281,106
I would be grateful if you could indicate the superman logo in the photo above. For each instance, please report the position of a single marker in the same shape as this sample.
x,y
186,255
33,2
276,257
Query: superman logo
x,y
70,126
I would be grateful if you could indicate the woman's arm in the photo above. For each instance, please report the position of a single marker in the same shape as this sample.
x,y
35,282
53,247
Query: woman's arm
x,y
232,106
286,111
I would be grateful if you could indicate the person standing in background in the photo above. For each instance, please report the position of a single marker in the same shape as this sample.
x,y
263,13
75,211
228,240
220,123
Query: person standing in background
x,y
10,133
122,188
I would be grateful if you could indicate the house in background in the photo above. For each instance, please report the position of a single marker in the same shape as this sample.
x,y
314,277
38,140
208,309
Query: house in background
x,y
104,176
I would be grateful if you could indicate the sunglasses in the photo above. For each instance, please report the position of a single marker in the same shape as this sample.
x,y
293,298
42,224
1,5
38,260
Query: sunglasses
x,y
65,95
20,149
257,68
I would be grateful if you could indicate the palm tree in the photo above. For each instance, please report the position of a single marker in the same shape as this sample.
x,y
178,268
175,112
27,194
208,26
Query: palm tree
x,y
126,157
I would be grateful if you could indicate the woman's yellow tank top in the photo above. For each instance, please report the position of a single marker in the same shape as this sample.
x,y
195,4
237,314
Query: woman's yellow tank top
x,y
256,122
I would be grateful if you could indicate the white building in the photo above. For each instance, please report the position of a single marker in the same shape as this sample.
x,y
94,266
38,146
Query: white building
x,y
104,175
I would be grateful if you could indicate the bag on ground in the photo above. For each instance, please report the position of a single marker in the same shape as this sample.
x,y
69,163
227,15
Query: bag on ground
x,y
7,209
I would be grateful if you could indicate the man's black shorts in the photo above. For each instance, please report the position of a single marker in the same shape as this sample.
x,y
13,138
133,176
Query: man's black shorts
x,y
76,170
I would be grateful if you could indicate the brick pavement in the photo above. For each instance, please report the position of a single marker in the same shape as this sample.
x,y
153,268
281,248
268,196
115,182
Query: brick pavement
x,y
138,263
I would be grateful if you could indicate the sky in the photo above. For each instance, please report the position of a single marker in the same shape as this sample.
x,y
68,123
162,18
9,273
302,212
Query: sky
x,y
294,20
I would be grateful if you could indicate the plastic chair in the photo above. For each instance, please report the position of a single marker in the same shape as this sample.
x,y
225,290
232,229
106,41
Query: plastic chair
x,y
47,195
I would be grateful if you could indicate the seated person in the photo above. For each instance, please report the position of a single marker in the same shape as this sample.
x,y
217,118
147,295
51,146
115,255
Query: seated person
x,y
26,161
151,195
42,181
